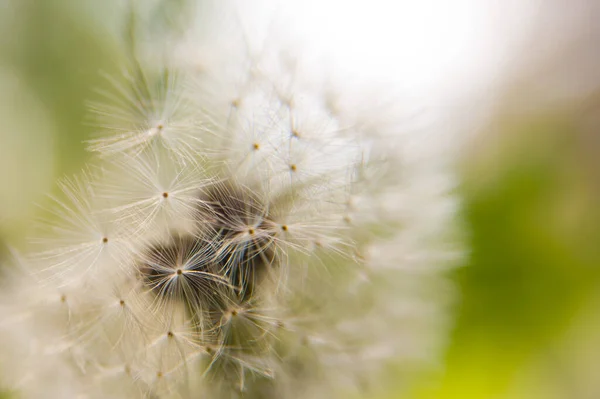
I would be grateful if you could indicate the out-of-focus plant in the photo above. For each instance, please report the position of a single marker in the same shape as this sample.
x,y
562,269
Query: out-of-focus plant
x,y
528,316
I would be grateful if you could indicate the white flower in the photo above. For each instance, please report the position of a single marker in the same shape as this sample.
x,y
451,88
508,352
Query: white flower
x,y
248,233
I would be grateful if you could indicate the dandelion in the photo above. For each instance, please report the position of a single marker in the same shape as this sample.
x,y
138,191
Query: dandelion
x,y
243,242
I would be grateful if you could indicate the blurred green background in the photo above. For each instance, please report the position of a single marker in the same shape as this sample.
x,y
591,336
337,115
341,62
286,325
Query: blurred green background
x,y
527,324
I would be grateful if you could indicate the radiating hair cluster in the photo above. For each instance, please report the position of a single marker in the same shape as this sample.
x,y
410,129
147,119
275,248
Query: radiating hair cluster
x,y
245,229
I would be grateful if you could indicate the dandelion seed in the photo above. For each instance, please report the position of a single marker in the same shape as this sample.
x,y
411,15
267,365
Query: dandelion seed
x,y
144,112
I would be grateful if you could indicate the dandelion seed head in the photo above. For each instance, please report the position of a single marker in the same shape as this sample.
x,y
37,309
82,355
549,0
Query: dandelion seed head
x,y
249,230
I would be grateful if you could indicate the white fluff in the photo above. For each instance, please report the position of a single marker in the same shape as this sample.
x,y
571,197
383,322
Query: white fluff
x,y
253,229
